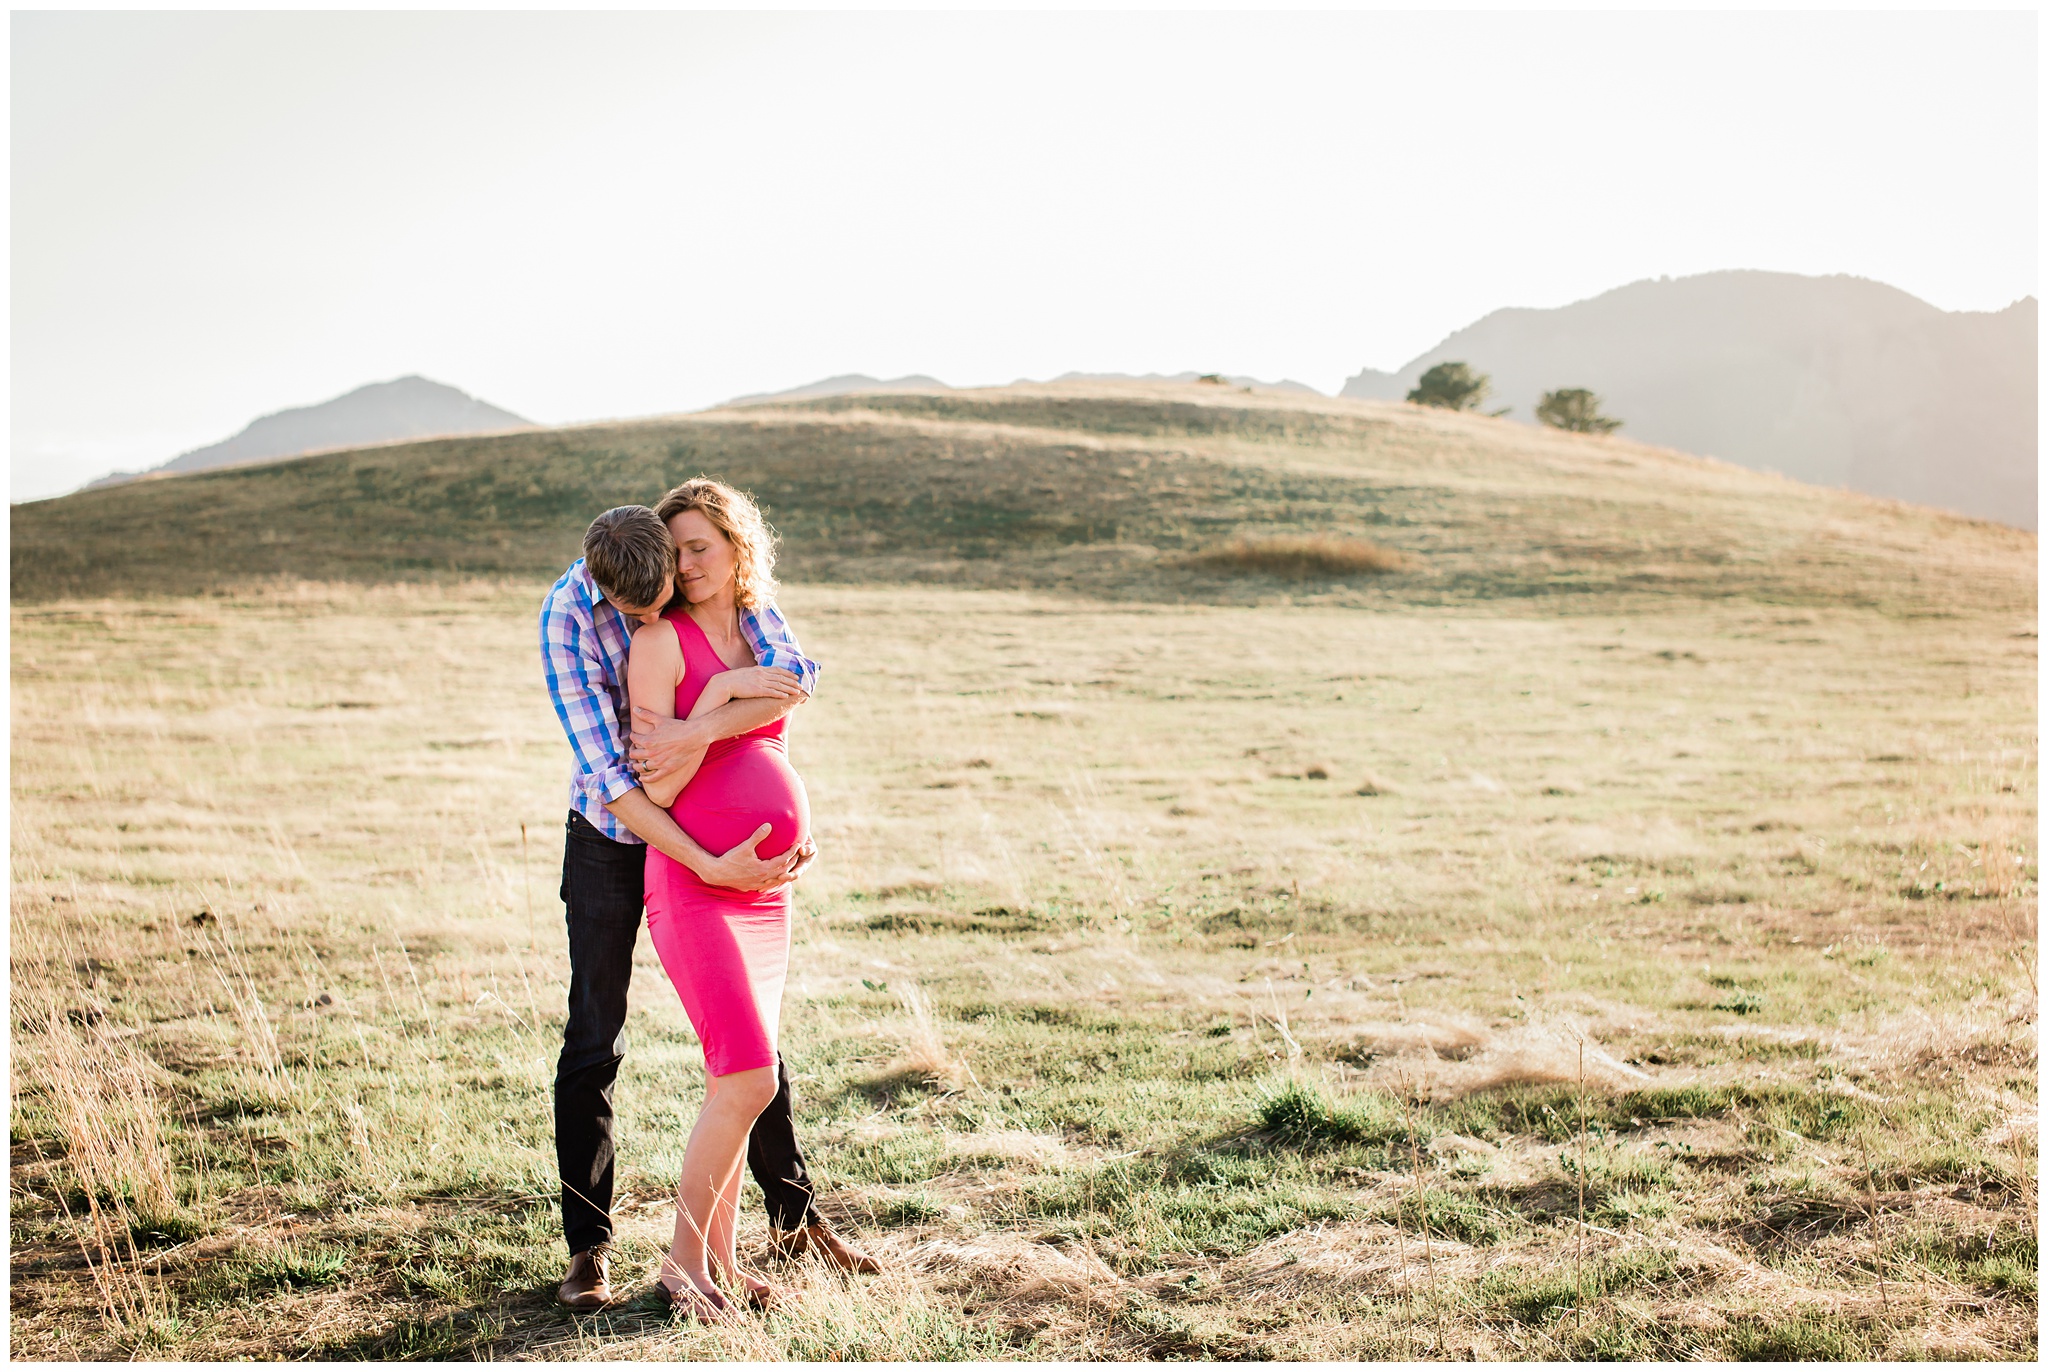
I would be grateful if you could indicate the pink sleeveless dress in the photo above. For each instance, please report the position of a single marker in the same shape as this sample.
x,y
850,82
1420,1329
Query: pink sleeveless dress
x,y
726,951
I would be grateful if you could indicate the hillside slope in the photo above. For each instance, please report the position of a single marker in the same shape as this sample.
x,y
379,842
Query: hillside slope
x,y
383,412
1834,380
1100,489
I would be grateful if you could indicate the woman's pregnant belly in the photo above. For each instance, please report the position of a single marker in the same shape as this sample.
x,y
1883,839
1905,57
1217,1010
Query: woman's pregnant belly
x,y
739,789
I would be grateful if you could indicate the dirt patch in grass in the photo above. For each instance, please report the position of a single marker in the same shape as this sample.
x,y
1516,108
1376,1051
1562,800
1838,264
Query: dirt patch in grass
x,y
1301,557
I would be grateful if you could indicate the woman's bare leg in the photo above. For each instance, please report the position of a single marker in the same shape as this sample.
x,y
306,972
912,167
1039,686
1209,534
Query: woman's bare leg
x,y
725,1220
724,1244
705,1224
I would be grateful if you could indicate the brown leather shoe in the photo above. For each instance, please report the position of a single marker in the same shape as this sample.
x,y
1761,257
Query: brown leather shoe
x,y
820,1236
589,1283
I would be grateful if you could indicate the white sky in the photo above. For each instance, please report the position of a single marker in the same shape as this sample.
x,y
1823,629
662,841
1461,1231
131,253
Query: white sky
x,y
580,216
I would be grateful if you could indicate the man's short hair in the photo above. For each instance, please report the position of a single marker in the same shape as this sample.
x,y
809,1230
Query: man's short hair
x,y
630,556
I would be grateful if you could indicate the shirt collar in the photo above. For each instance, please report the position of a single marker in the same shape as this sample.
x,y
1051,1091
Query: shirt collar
x,y
587,587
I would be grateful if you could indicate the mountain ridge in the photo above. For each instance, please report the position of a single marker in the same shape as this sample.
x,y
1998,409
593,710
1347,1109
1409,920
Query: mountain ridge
x,y
405,408
859,383
1836,380
1283,385
850,383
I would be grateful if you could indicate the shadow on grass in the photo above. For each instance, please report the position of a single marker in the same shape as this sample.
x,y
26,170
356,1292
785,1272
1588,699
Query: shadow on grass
x,y
888,1091
482,1328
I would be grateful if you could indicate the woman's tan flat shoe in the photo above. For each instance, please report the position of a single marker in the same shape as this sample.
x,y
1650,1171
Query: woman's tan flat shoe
x,y
695,1304
767,1296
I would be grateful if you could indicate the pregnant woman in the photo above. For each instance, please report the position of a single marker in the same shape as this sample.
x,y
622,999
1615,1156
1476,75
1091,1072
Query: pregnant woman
x,y
725,951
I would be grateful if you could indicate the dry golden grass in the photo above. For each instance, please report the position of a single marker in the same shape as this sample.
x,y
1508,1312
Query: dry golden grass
x,y
1301,557
1609,936
105,1104
1101,918
924,1043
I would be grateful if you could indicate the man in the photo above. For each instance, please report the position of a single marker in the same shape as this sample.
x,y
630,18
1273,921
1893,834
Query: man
x,y
627,573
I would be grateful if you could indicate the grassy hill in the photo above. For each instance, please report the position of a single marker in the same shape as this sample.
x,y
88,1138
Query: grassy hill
x,y
1110,489
1608,933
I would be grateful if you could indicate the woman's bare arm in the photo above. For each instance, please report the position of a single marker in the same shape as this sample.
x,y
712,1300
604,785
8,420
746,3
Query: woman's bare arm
x,y
654,668
748,683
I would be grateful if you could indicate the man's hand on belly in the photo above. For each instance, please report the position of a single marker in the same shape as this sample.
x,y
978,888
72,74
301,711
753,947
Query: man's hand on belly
x,y
806,854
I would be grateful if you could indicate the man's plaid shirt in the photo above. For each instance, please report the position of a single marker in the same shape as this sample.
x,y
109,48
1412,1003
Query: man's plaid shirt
x,y
583,642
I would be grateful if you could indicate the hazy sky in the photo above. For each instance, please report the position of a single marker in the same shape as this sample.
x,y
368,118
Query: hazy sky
x,y
582,216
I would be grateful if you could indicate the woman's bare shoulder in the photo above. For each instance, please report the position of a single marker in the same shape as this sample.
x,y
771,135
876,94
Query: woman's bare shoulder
x,y
658,642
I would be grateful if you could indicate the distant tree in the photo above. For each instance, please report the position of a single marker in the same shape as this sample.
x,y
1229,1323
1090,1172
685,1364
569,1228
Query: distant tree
x,y
1575,410
1450,386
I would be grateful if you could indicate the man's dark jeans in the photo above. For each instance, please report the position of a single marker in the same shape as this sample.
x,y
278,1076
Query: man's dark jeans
x,y
601,886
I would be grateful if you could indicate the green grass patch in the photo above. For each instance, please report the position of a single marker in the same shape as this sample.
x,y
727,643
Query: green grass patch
x,y
1798,1337
257,1271
1466,1216
1302,1115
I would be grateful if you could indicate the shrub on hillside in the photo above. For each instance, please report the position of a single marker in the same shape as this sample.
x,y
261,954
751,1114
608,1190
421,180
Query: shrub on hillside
x,y
1302,556
1450,386
1576,411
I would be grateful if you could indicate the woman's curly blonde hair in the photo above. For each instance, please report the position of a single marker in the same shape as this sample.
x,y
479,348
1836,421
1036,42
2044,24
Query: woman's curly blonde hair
x,y
739,519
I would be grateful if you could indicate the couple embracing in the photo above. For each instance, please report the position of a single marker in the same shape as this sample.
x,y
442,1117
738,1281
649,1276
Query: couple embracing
x,y
672,671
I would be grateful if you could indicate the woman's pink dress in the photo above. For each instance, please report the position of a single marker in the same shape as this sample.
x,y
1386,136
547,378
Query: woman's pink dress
x,y
727,951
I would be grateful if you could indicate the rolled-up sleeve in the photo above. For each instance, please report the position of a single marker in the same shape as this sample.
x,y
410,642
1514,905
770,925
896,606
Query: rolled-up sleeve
x,y
774,644
576,677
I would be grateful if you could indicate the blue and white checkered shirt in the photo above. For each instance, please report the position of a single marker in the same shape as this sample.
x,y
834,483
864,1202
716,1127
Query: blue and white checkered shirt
x,y
583,641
